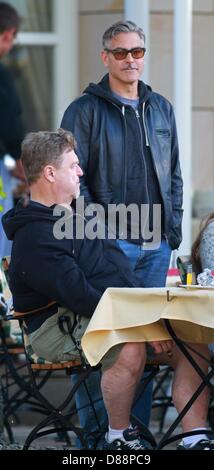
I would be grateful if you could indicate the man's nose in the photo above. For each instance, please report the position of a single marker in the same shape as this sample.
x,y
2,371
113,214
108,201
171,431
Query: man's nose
x,y
129,57
79,171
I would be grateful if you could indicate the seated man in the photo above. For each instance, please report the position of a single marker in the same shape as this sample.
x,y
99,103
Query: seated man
x,y
55,268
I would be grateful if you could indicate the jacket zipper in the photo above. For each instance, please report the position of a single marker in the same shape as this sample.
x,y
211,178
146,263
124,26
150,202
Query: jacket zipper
x,y
144,125
144,162
125,156
122,111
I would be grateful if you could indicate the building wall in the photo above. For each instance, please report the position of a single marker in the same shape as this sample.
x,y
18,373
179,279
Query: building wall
x,y
95,17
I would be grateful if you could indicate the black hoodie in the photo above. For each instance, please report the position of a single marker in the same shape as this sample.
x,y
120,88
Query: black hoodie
x,y
72,272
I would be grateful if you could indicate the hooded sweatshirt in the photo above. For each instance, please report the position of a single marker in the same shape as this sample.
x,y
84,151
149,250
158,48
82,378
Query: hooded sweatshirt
x,y
73,272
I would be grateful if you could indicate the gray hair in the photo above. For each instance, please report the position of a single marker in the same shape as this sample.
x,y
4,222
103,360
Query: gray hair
x,y
122,27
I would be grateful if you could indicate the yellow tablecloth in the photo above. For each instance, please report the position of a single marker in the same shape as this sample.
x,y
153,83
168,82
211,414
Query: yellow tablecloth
x,y
136,314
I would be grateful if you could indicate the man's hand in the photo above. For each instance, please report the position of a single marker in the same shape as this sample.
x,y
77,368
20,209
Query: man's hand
x,y
162,346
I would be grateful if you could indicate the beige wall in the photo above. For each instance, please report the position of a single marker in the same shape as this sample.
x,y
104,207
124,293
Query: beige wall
x,y
96,16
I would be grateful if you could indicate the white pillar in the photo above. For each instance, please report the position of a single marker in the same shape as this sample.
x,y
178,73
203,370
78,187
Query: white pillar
x,y
138,11
66,66
183,105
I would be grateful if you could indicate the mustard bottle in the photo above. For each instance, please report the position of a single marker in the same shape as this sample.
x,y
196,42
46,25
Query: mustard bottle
x,y
189,275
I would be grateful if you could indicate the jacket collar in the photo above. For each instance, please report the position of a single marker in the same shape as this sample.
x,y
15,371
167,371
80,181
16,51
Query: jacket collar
x,y
102,89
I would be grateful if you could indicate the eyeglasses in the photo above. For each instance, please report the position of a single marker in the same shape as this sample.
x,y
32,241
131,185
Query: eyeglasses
x,y
121,54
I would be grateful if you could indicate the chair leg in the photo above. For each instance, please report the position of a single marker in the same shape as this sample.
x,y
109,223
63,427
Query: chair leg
x,y
160,398
23,396
36,432
211,414
9,431
58,420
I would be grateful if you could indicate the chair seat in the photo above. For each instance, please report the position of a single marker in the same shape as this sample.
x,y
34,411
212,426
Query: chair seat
x,y
12,349
59,365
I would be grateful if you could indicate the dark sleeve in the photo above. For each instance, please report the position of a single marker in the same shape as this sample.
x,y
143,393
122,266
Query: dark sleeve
x,y
78,119
11,129
175,235
56,274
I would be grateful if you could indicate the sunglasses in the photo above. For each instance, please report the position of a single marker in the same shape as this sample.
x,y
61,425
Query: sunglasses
x,y
121,54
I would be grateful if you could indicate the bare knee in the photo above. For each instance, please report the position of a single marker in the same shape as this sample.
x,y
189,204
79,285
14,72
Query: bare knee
x,y
201,356
132,357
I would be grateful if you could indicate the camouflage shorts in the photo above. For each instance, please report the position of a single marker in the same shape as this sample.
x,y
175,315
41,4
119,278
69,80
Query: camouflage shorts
x,y
51,343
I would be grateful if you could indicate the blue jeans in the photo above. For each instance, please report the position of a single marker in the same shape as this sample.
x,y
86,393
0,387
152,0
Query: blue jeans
x,y
150,267
86,415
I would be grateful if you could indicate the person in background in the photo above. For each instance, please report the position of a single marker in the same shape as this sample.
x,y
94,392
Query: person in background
x,y
128,150
11,131
202,254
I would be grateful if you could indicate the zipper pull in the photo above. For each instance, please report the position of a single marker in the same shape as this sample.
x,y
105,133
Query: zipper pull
x,y
144,125
137,113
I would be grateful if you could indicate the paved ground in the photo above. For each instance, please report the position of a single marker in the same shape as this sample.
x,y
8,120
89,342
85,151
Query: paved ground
x,y
50,442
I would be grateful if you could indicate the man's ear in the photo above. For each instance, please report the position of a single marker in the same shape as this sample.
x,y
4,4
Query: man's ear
x,y
49,173
104,57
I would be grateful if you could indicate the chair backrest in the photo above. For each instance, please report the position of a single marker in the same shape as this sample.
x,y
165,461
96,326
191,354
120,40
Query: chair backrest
x,y
35,360
12,338
4,277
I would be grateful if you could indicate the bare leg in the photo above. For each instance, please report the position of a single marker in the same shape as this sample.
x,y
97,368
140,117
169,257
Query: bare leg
x,y
119,384
186,381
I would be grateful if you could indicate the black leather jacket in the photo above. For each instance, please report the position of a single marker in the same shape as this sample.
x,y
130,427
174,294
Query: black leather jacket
x,y
98,122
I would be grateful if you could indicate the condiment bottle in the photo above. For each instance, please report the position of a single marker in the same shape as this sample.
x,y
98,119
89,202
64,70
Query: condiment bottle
x,y
189,275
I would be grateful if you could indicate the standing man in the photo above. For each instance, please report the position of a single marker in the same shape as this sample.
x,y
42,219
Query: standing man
x,y
11,133
128,150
